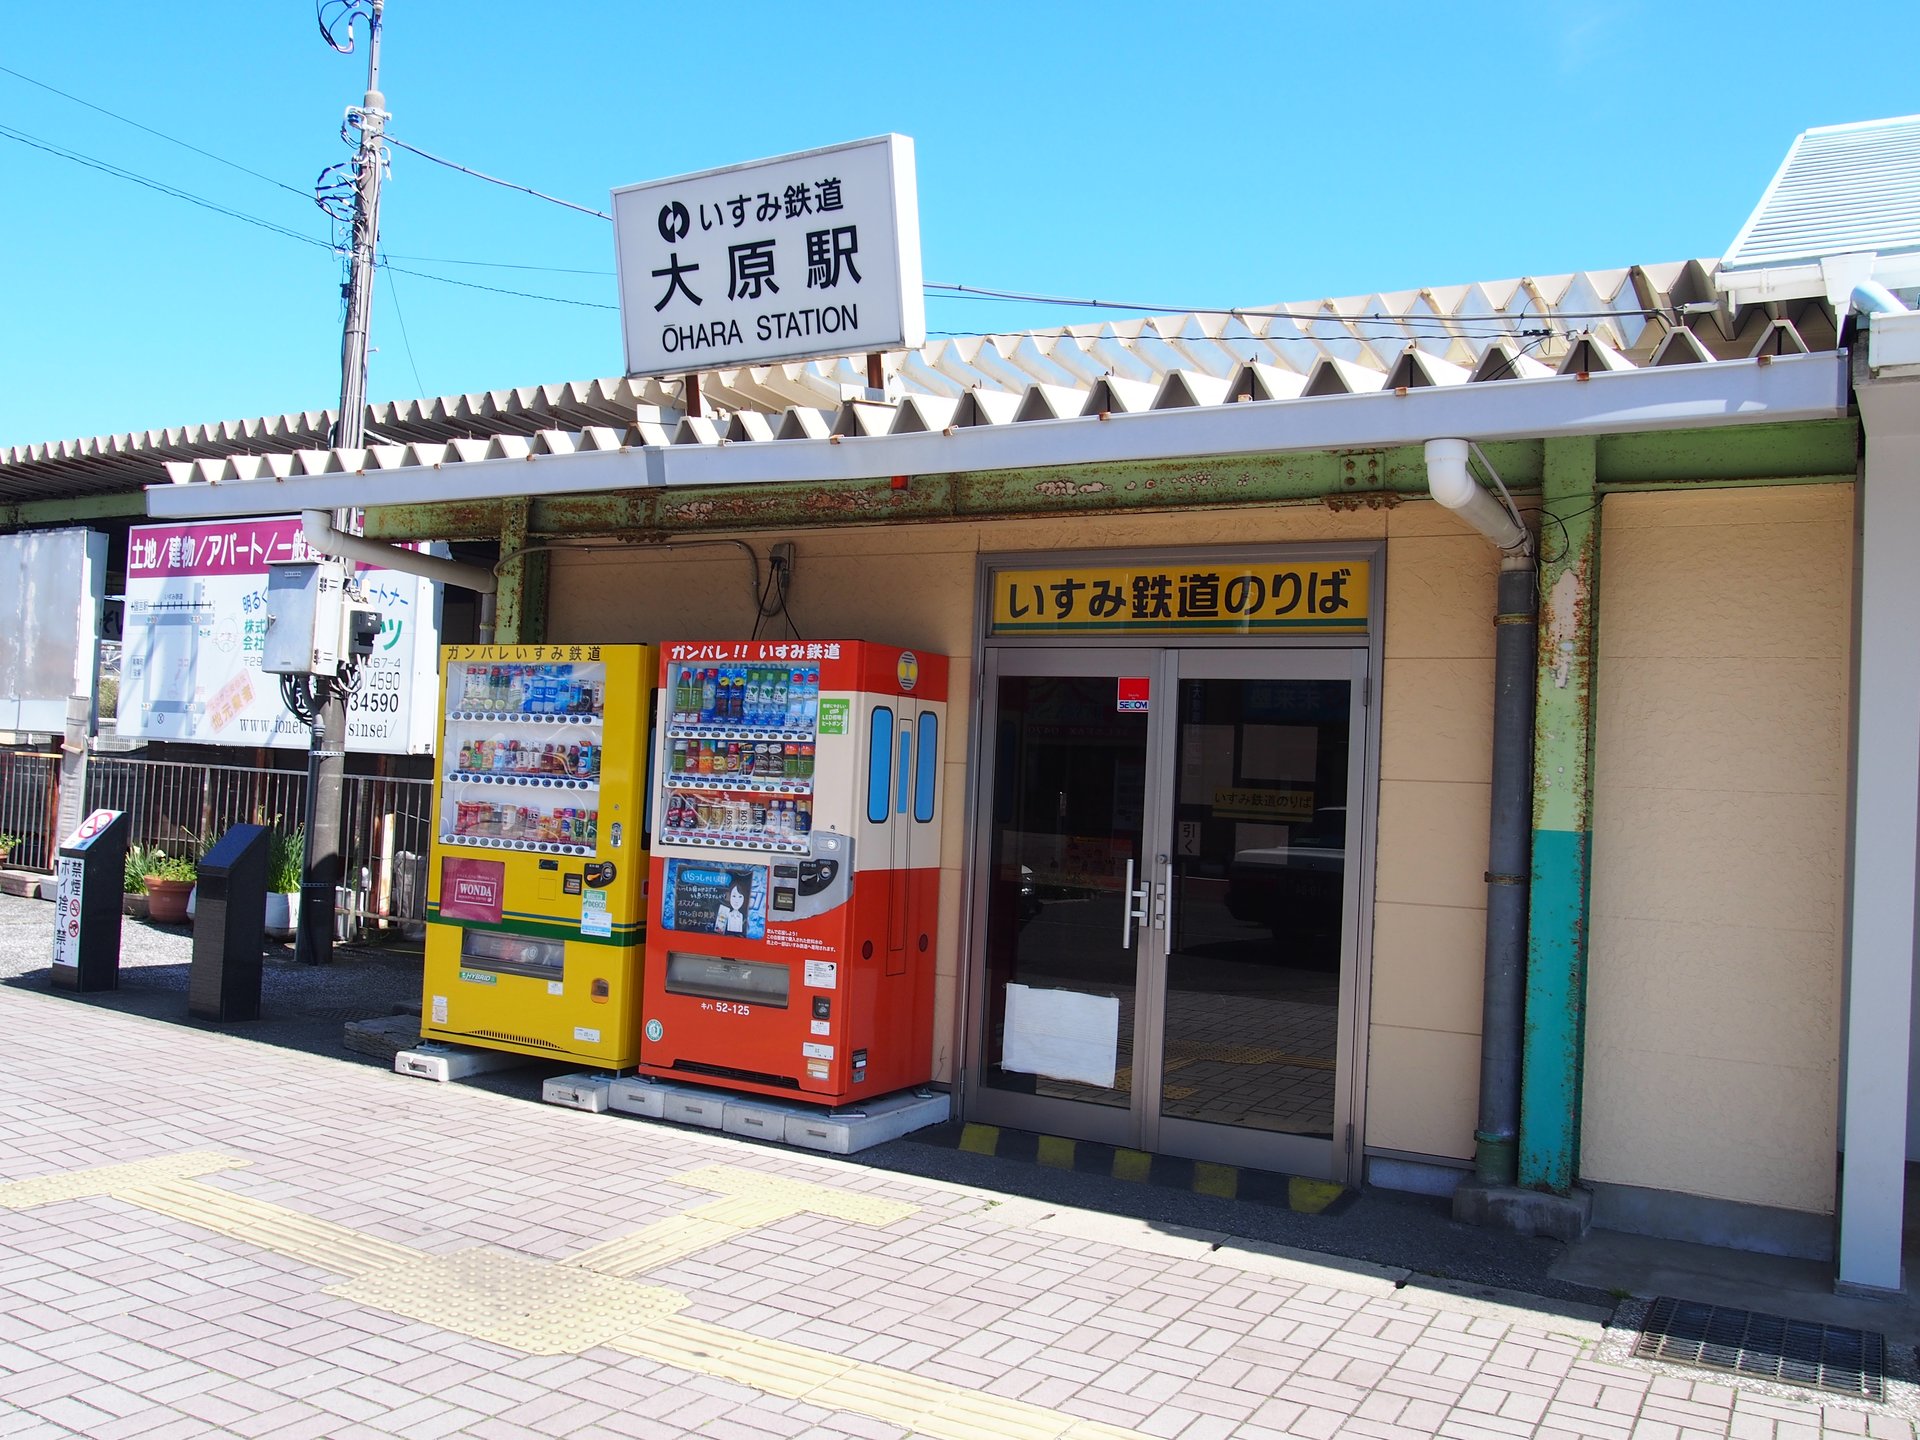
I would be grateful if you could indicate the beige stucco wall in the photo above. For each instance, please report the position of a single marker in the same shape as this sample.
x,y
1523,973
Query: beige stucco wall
x,y
1719,844
915,586
1436,738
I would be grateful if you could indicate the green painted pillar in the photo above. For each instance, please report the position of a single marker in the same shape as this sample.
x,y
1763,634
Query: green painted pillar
x,y
520,602
1552,1062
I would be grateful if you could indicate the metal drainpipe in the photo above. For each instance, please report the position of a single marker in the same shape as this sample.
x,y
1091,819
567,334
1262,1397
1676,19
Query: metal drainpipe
x,y
1496,1141
1510,828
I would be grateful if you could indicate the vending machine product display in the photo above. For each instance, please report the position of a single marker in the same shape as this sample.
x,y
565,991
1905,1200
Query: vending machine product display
x,y
796,867
536,895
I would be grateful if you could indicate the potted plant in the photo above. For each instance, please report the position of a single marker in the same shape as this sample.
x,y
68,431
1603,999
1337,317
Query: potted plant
x,y
286,861
7,842
169,881
133,883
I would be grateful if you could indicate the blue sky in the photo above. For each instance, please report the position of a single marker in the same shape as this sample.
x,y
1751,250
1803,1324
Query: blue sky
x,y
1196,155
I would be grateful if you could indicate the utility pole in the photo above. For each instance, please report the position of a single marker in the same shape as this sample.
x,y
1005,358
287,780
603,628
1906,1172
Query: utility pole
x,y
326,755
371,120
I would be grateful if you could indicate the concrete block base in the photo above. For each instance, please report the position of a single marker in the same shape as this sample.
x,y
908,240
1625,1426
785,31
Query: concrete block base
x,y
845,1132
636,1095
430,1060
1856,1290
578,1092
1524,1212
809,1127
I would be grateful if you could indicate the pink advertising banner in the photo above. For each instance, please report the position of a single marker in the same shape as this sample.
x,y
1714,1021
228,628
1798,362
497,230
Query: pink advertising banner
x,y
471,889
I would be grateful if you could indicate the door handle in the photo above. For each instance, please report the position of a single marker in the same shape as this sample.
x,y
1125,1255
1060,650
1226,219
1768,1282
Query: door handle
x,y
1129,914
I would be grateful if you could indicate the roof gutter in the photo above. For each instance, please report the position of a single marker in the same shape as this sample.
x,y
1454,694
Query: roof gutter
x,y
318,529
1785,388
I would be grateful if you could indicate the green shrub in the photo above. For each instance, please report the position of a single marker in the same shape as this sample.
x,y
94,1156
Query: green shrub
x,y
150,860
286,860
133,878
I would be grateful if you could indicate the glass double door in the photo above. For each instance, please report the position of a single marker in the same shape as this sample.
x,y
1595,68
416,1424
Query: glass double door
x,y
1168,937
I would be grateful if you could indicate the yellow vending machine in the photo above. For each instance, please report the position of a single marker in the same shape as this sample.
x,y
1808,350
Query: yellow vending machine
x,y
536,896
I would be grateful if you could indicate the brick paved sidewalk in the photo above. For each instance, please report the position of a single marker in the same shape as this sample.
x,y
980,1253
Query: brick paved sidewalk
x,y
203,1236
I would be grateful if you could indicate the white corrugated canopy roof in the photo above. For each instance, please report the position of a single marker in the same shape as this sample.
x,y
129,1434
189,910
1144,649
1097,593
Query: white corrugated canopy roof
x,y
1842,189
1434,338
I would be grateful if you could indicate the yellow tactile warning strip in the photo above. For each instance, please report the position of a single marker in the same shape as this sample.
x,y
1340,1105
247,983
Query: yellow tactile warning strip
x,y
270,1227
547,1308
112,1179
514,1300
1203,1177
753,1202
933,1408
802,1196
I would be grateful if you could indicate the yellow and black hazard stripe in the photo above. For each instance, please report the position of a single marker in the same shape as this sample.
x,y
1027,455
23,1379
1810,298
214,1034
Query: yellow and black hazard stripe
x,y
1202,1177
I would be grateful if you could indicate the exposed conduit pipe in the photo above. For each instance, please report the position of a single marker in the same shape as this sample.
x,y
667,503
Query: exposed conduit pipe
x,y
321,535
1510,829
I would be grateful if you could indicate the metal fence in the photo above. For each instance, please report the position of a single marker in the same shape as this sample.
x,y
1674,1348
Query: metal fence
x,y
30,806
183,807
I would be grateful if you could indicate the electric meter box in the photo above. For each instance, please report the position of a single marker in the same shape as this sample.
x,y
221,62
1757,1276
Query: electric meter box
x,y
306,601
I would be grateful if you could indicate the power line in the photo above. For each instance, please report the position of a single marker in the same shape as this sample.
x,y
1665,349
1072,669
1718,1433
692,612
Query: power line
x,y
1439,325
118,173
34,142
393,293
494,180
977,292
502,265
494,289
170,139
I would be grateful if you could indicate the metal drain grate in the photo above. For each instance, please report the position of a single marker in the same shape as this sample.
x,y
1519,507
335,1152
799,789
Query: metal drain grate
x,y
1765,1347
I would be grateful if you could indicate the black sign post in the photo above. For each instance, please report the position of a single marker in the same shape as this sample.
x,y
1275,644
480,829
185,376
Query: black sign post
x,y
229,927
91,873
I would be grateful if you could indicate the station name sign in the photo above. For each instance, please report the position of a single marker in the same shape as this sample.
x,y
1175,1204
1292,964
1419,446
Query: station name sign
x,y
1309,597
792,258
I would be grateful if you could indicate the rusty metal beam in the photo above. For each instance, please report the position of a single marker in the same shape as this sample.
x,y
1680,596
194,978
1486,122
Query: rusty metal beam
x,y
1810,452
454,520
77,510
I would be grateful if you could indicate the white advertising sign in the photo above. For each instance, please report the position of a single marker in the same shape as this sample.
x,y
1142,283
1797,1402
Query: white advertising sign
x,y
785,259
51,584
195,622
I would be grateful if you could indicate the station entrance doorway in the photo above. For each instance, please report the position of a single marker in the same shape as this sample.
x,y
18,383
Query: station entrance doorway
x,y
1167,932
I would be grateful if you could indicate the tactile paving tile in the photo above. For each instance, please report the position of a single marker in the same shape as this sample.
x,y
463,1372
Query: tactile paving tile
x,y
513,1300
798,1194
272,1227
936,1409
101,1180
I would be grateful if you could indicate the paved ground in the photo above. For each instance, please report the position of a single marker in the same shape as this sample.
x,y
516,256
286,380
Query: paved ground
x,y
203,1234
